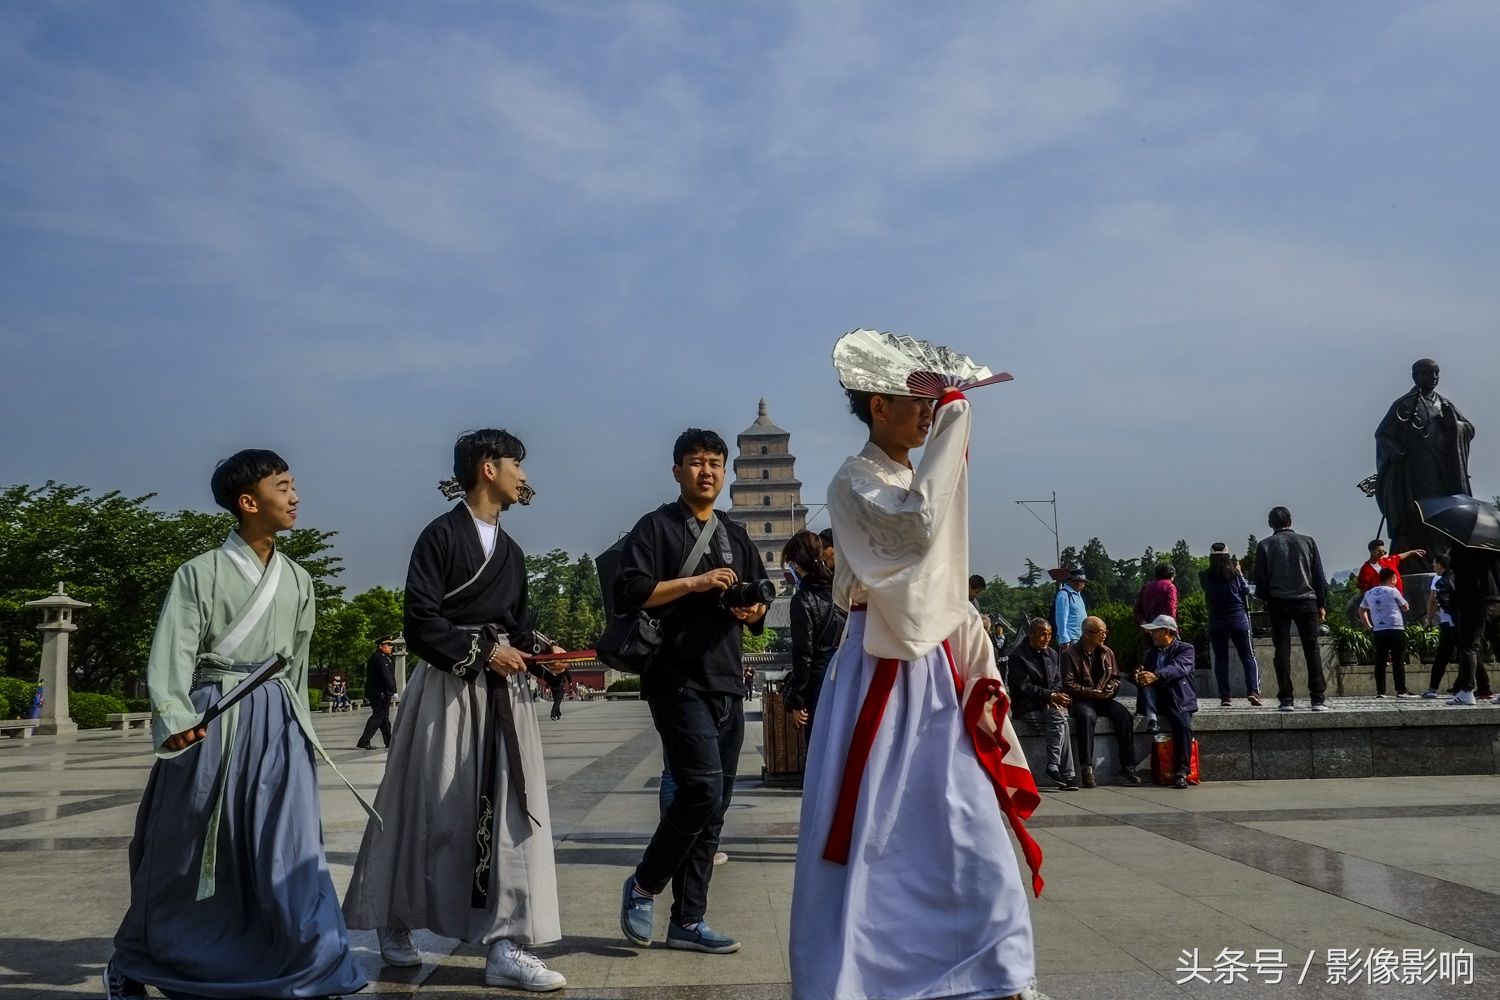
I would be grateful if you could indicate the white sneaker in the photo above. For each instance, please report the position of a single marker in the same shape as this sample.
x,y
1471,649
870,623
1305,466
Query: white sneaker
x,y
1462,698
396,947
720,857
511,965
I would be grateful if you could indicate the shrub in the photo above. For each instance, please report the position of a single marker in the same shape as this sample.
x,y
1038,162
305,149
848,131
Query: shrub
x,y
19,694
1125,636
626,684
89,710
1421,640
137,704
1354,645
1192,621
314,700
4,707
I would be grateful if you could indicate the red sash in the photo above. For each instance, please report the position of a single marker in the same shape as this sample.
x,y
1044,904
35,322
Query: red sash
x,y
1015,788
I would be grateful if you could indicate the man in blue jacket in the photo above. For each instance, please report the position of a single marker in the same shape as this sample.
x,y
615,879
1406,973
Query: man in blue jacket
x,y
1169,672
1068,610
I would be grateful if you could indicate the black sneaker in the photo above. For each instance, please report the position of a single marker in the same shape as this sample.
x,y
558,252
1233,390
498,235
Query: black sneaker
x,y
1064,782
121,987
1128,775
1181,781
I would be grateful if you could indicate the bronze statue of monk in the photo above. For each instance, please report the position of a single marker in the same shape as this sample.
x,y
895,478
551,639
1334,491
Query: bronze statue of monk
x,y
1421,450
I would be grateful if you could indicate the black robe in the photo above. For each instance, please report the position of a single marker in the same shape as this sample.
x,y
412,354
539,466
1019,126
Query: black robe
x,y
458,604
445,558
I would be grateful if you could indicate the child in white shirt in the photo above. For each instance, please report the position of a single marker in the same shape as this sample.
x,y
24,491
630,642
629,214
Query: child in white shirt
x,y
1381,610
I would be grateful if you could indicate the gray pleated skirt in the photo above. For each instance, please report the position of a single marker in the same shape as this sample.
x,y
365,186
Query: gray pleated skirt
x,y
272,928
417,871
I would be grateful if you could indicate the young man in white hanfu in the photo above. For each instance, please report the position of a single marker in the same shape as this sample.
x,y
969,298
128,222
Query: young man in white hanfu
x,y
230,894
906,883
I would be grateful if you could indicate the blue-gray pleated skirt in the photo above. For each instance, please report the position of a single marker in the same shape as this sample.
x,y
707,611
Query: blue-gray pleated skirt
x,y
273,928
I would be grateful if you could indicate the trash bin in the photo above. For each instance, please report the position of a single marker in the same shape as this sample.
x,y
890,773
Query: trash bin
x,y
784,744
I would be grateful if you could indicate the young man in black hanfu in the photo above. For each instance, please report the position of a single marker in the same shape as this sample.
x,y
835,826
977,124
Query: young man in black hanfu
x,y
466,850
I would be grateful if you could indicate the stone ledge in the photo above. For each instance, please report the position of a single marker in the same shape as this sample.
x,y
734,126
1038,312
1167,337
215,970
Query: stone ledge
x,y
1356,738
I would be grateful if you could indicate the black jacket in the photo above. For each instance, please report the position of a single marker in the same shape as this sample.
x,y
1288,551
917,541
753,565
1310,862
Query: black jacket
x,y
380,677
700,638
1288,568
817,627
1476,576
1034,676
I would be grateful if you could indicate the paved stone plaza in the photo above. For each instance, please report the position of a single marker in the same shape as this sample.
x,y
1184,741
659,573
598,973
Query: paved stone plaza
x,y
1135,876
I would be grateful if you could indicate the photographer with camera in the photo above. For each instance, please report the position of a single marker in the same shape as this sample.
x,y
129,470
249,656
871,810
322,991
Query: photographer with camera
x,y
695,685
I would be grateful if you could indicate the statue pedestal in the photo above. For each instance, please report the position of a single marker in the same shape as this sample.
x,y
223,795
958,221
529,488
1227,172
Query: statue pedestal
x,y
1418,587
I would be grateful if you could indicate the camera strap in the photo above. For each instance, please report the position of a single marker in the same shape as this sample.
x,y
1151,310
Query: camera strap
x,y
705,538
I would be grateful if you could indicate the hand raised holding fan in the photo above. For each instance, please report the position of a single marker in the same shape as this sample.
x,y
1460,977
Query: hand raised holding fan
x,y
884,363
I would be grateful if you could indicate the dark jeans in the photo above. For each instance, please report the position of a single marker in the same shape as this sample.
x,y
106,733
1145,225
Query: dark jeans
x,y
1447,645
1303,614
1145,701
1390,644
1180,724
1446,653
1086,711
701,734
380,718
1220,634
1473,623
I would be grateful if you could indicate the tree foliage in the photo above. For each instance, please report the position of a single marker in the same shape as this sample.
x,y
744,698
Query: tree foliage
x,y
565,599
118,554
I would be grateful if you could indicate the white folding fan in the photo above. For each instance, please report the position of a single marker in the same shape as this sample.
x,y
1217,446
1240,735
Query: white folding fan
x,y
871,361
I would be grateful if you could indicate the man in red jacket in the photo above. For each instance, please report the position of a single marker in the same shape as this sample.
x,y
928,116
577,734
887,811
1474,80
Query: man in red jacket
x,y
1369,573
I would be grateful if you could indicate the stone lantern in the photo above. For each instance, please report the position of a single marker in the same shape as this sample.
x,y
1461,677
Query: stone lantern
x,y
398,657
57,621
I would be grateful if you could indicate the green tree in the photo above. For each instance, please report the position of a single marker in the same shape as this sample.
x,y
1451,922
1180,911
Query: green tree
x,y
1187,567
1032,577
1100,568
384,609
119,555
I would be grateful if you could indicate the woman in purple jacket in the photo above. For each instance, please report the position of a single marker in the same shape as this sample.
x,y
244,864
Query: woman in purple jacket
x,y
1228,597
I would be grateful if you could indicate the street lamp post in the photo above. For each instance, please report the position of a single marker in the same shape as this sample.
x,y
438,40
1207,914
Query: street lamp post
x,y
1056,538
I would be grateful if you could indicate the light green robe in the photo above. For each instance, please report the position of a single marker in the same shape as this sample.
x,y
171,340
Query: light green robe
x,y
208,597
225,607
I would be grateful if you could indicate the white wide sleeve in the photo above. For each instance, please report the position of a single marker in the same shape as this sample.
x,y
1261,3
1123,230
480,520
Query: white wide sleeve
x,y
908,547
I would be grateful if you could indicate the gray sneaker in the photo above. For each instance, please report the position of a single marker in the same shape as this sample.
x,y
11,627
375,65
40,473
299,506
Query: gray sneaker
x,y
701,938
635,914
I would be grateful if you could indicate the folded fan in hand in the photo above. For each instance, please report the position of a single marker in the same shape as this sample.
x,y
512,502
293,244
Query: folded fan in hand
x,y
871,361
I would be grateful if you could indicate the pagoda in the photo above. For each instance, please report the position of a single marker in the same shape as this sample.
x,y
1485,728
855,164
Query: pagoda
x,y
766,493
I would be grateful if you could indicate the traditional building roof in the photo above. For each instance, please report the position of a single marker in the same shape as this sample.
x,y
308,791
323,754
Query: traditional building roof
x,y
763,427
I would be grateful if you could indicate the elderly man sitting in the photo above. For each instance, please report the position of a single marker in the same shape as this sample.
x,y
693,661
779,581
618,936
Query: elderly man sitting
x,y
1037,693
1169,672
1091,678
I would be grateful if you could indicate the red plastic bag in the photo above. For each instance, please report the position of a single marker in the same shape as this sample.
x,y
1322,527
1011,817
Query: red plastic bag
x,y
1163,763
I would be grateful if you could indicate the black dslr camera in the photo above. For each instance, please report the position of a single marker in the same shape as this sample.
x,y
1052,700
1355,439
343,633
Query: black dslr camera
x,y
748,592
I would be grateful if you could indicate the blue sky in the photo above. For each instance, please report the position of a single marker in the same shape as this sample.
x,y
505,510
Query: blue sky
x,y
1208,240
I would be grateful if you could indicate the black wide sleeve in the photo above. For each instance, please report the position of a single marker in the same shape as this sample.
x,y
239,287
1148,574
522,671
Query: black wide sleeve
x,y
757,572
439,642
640,566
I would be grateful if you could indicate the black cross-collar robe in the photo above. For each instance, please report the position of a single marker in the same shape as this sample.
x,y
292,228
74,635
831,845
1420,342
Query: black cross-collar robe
x,y
446,556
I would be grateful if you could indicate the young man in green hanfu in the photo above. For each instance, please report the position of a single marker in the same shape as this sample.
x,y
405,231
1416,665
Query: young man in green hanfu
x,y
230,894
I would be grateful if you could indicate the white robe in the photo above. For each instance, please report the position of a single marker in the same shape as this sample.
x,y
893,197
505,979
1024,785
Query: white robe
x,y
931,901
